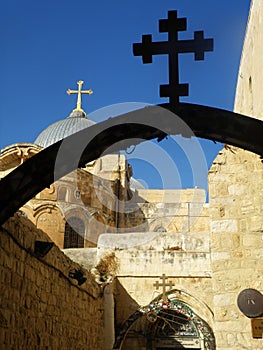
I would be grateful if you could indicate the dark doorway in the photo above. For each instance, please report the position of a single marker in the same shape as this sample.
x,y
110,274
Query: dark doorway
x,y
74,233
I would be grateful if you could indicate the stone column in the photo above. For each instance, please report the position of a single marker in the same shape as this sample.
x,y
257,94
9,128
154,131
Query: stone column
x,y
109,317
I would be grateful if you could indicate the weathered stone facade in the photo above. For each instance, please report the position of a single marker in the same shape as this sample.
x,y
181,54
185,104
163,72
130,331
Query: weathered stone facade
x,y
90,194
41,307
208,252
179,247
235,191
236,243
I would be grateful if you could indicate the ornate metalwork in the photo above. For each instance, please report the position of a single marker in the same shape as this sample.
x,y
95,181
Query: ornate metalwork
x,y
173,47
174,318
79,92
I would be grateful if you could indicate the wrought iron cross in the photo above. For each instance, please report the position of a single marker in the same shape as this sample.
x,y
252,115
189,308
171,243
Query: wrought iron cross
x,y
79,92
170,284
173,47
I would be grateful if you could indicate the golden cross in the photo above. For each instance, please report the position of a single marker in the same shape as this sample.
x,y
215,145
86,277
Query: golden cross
x,y
79,92
164,285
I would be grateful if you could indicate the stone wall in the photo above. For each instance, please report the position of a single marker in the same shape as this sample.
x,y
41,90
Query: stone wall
x,y
168,210
144,257
41,307
236,243
90,194
249,86
78,194
235,188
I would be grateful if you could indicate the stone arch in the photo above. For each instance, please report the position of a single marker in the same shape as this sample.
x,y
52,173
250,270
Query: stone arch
x,y
158,316
74,212
95,222
158,224
16,154
49,218
198,306
131,128
81,212
28,211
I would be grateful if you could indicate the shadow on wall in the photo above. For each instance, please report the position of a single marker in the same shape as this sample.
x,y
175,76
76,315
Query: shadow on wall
x,y
37,295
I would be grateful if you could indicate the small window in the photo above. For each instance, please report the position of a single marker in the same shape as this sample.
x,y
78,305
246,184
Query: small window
x,y
77,194
74,233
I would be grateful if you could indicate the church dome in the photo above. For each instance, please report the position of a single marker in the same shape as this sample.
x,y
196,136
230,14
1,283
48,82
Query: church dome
x,y
75,122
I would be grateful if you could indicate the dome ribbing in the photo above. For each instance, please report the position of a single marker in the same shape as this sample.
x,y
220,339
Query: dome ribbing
x,y
63,128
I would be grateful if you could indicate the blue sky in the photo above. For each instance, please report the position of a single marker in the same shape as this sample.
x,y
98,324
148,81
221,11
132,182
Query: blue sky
x,y
47,46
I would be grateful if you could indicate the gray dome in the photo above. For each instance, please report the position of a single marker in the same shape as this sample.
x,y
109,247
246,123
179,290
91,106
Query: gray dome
x,y
76,121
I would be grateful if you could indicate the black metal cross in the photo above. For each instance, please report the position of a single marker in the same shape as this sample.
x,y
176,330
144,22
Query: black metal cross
x,y
172,48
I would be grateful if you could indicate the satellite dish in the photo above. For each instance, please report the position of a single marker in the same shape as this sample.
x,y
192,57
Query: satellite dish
x,y
250,302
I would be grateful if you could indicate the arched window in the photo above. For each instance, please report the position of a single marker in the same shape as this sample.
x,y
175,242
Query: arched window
x,y
74,233
77,194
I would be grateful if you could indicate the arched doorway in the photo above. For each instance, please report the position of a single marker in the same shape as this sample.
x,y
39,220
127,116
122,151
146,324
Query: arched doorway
x,y
166,325
174,325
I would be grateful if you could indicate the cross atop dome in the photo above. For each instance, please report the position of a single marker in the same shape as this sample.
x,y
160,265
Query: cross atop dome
x,y
79,92
74,122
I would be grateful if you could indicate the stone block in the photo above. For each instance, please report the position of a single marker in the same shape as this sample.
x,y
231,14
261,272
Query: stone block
x,y
199,224
256,223
218,226
225,255
237,189
252,240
